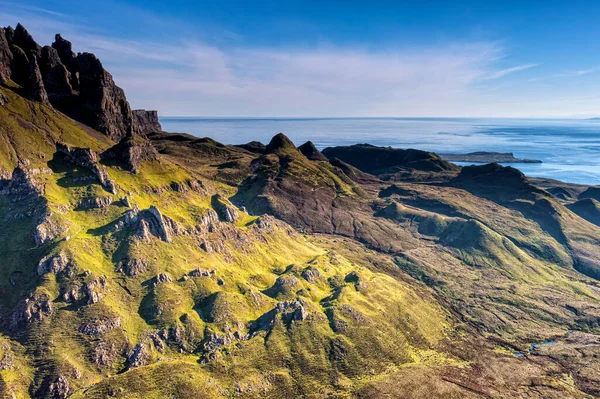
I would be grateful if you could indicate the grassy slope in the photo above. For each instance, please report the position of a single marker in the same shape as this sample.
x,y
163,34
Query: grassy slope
x,y
389,323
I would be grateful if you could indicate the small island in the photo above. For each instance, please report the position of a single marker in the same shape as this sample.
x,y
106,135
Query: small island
x,y
487,157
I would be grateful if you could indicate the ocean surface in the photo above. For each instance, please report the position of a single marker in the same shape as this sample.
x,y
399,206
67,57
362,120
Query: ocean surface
x,y
568,148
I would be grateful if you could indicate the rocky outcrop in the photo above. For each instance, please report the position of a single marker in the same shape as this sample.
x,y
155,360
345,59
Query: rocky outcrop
x,y
161,279
146,121
35,307
225,209
23,183
133,267
131,152
48,229
160,228
309,150
100,326
94,203
55,264
86,158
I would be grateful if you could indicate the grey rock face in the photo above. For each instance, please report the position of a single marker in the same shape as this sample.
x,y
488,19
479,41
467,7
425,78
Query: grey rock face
x,y
161,230
161,279
54,264
147,121
131,152
48,230
227,211
88,159
37,306
94,202
100,326
103,105
133,267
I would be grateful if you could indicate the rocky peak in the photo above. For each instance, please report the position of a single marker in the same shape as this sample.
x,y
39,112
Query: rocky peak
x,y
78,85
64,49
147,121
23,39
309,150
280,142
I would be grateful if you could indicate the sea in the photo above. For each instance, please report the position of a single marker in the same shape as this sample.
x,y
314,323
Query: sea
x,y
568,148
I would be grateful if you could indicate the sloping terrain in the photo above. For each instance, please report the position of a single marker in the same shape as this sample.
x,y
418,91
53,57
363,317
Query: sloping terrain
x,y
166,265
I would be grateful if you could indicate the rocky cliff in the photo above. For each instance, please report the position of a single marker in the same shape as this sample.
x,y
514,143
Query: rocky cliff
x,y
77,85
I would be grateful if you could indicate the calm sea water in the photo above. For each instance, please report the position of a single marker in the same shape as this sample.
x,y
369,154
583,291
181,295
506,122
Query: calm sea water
x,y
569,149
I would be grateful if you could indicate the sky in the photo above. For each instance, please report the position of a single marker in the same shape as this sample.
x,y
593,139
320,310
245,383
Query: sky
x,y
324,58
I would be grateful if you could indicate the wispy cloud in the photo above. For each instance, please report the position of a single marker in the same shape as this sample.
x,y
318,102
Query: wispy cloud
x,y
569,74
504,72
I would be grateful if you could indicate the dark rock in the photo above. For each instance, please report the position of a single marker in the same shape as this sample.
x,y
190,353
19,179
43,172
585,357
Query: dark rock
x,y
48,229
286,285
202,273
104,354
59,388
57,79
102,104
67,56
140,356
147,121
36,89
23,39
310,151
20,67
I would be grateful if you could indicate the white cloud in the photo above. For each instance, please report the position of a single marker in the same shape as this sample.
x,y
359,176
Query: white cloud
x,y
503,72
190,77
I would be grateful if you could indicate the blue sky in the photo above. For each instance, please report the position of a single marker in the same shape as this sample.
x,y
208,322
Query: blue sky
x,y
337,58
